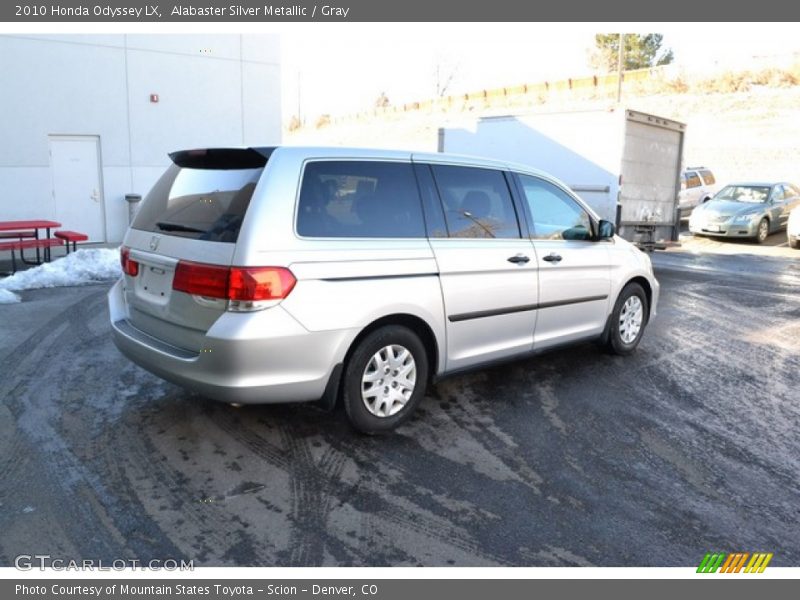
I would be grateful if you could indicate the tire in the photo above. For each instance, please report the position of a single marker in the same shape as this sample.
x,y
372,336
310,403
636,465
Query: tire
x,y
762,233
378,351
617,340
794,244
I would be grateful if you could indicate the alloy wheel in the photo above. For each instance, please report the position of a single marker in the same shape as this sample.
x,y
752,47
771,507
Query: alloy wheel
x,y
763,230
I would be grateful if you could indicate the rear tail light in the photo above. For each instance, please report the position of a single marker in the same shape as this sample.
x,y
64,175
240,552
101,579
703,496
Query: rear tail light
x,y
210,281
242,285
260,283
129,266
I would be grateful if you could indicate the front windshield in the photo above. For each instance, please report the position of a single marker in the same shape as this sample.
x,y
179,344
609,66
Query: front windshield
x,y
754,194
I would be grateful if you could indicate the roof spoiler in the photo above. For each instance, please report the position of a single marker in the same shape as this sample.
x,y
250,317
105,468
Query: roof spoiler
x,y
222,158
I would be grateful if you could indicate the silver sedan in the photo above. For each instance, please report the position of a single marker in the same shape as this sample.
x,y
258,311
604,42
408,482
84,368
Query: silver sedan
x,y
746,210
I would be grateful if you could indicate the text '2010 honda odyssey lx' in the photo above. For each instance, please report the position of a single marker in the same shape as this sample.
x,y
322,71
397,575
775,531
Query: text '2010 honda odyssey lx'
x,y
286,274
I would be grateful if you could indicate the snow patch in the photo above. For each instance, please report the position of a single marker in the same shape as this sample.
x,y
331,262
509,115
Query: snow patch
x,y
7,297
86,266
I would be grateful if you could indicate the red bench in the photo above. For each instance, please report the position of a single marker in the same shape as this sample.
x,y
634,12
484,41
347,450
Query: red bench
x,y
25,245
71,236
18,235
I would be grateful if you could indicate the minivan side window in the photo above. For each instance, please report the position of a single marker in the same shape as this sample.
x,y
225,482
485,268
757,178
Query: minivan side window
x,y
476,201
359,199
692,180
555,215
708,177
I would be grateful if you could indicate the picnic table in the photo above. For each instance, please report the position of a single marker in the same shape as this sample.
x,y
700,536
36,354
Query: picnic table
x,y
27,236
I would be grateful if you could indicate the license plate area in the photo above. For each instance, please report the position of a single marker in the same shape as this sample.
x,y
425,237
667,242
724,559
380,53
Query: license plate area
x,y
154,283
714,228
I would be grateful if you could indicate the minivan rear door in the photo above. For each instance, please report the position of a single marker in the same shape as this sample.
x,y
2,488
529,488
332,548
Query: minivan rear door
x,y
191,217
488,271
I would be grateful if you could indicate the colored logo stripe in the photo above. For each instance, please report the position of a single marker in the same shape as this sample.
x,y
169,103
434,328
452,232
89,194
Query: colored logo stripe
x,y
734,562
728,566
711,562
740,564
732,558
758,563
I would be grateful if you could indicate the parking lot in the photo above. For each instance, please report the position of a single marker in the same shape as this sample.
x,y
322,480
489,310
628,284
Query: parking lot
x,y
572,458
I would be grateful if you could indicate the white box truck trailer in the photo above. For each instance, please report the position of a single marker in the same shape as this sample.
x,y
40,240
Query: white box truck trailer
x,y
625,164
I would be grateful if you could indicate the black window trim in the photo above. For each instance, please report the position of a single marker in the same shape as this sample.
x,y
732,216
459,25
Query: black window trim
x,y
506,176
519,204
298,187
423,169
593,223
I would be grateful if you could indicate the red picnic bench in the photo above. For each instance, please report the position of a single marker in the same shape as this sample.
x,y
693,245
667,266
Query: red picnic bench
x,y
24,235
21,245
10,235
25,229
71,236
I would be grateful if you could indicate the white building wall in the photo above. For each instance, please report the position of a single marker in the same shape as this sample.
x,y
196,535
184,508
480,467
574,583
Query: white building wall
x,y
214,90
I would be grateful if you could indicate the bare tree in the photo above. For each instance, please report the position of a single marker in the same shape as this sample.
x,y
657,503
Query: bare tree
x,y
382,101
444,73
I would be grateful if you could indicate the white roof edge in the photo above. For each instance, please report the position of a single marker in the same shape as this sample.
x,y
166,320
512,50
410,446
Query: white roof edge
x,y
344,152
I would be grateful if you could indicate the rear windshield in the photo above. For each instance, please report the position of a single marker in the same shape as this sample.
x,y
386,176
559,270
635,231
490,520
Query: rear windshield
x,y
202,204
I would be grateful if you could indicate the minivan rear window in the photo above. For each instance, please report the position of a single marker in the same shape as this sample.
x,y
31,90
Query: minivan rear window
x,y
359,199
199,203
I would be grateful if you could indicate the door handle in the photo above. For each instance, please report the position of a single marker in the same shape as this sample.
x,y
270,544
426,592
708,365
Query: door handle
x,y
519,259
553,257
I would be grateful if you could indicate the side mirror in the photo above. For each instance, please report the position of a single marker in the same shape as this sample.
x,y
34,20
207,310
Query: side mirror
x,y
605,230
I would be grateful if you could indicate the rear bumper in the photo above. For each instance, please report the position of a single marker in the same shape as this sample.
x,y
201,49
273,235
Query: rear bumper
x,y
728,230
250,358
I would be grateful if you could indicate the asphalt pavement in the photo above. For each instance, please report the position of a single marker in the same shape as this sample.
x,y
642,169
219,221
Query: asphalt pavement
x,y
574,457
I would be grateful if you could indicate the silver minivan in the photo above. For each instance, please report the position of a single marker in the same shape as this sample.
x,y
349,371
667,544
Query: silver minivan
x,y
289,274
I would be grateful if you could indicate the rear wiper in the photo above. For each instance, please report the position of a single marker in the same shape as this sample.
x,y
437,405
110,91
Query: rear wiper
x,y
176,227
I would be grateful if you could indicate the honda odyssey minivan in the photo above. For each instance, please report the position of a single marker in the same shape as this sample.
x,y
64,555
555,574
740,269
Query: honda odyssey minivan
x,y
288,274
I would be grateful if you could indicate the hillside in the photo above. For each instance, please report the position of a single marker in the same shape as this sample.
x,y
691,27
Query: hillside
x,y
751,132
